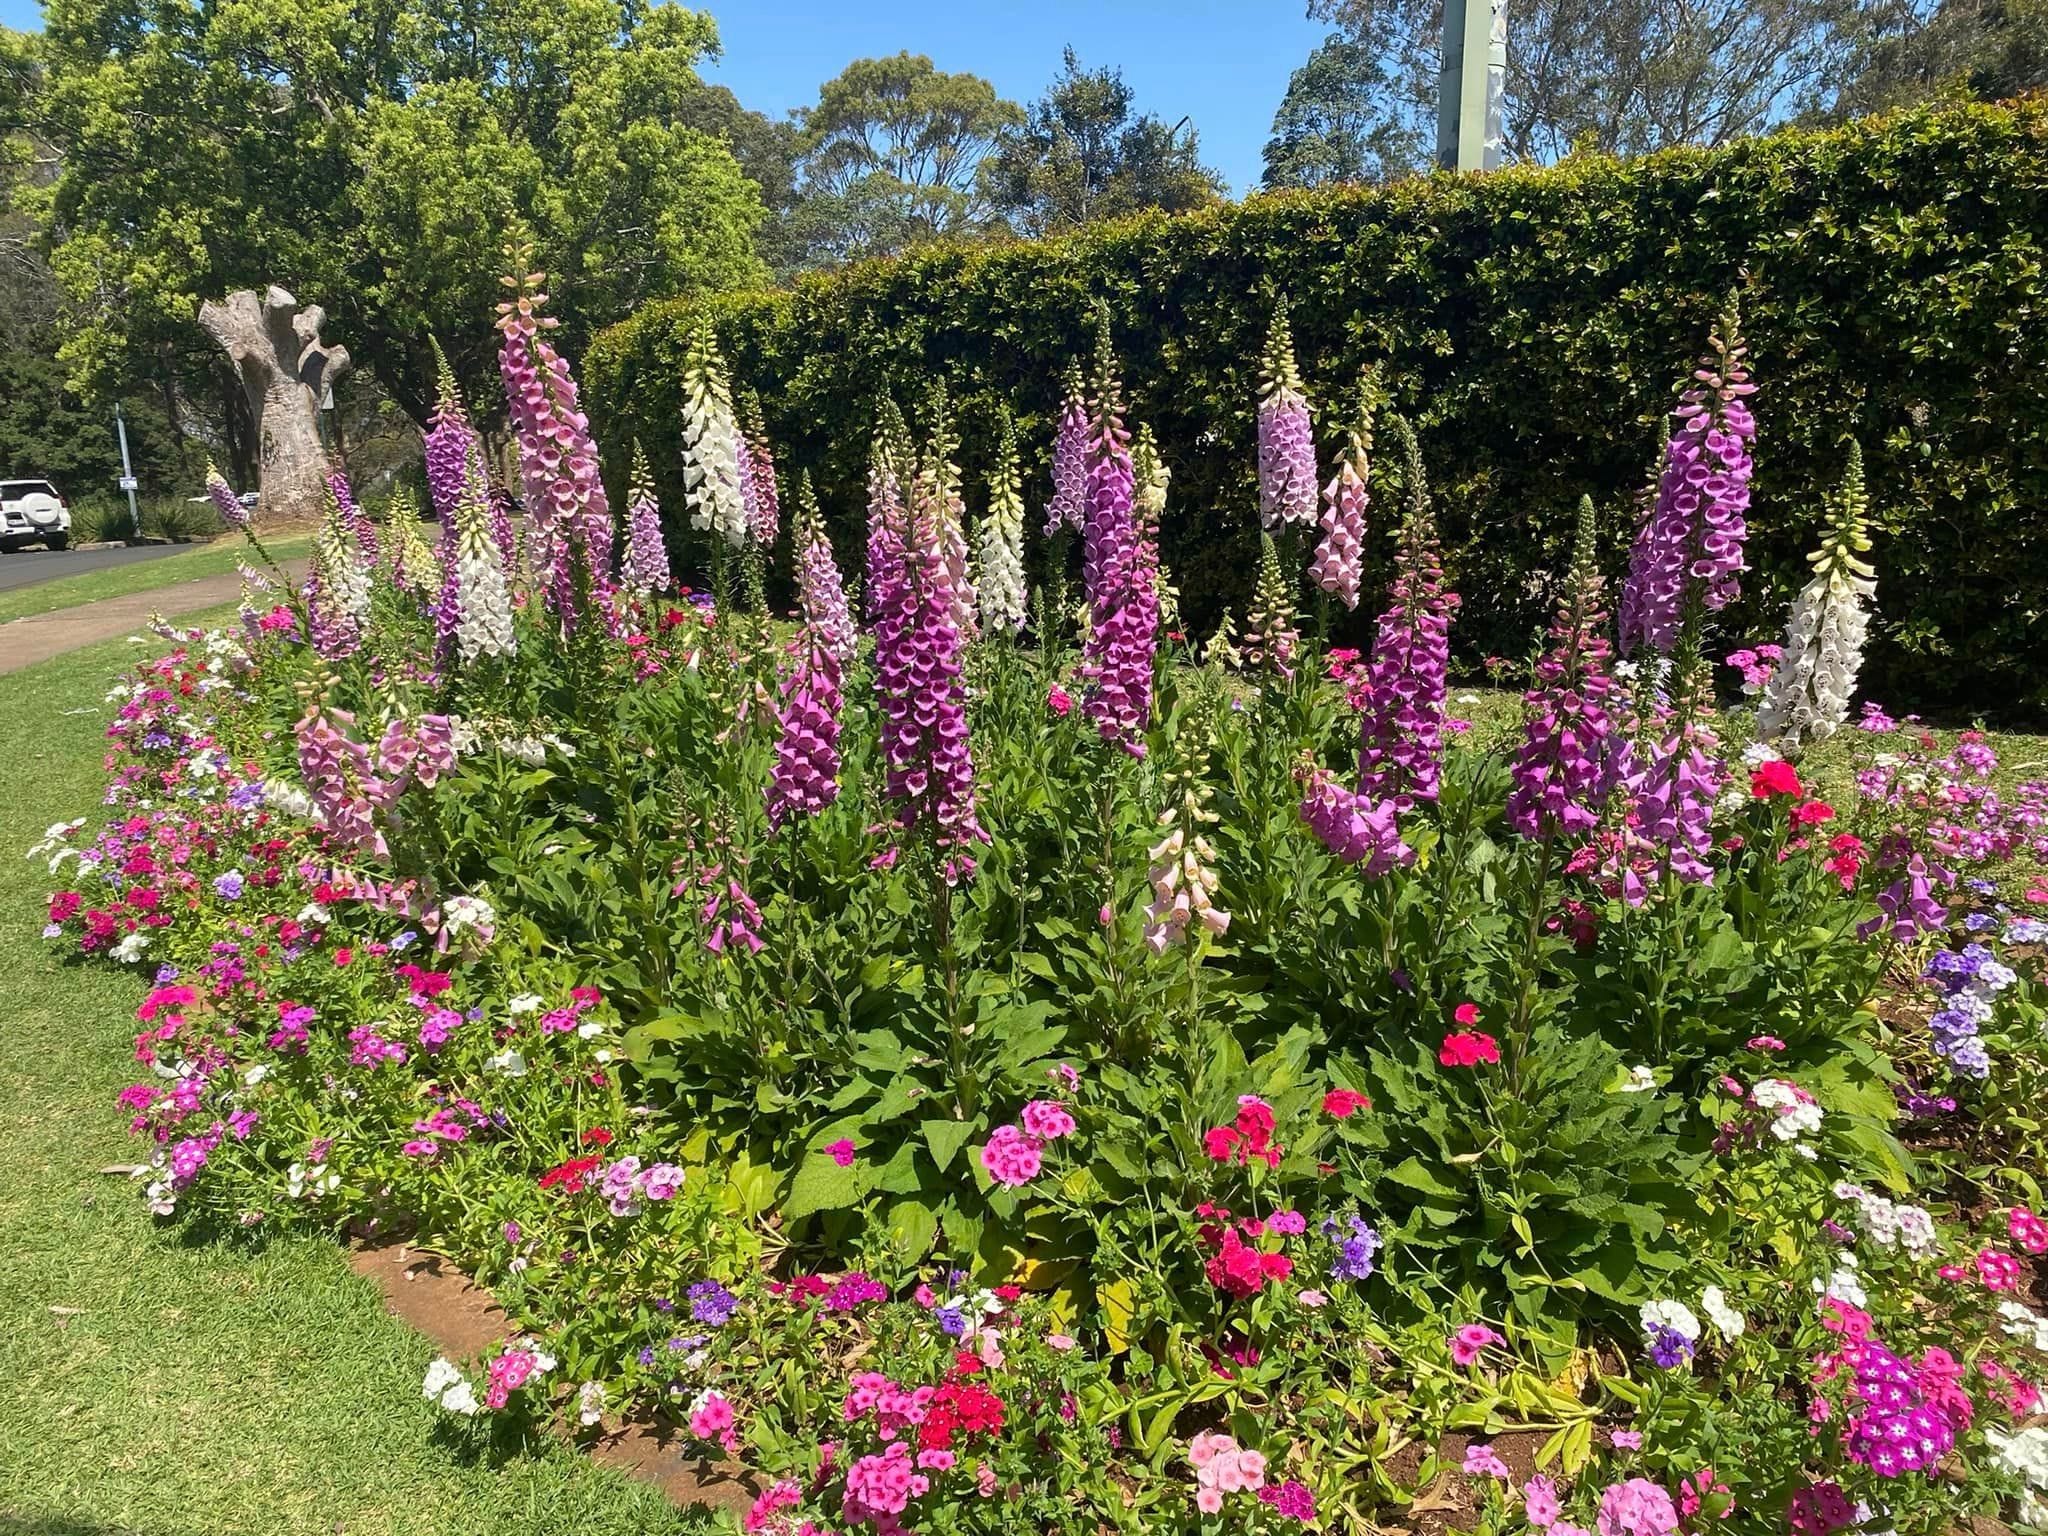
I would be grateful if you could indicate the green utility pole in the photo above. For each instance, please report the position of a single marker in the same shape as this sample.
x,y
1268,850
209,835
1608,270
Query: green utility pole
x,y
1470,86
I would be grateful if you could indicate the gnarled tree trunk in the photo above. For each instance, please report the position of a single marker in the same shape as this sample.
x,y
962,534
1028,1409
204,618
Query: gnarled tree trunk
x,y
285,370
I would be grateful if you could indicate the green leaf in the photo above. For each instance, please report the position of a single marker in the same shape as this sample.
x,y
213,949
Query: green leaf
x,y
911,1225
1417,1175
946,1138
821,1185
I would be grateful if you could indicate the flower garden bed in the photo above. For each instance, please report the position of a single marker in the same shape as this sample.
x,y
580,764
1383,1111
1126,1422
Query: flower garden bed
x,y
991,1066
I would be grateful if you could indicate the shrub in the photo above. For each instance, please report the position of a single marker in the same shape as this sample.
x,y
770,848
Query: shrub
x,y
1530,322
100,516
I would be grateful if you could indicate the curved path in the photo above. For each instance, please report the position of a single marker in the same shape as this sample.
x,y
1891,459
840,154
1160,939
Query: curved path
x,y
26,641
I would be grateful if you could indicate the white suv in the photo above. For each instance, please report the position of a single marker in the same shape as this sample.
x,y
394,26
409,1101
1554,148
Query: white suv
x,y
32,512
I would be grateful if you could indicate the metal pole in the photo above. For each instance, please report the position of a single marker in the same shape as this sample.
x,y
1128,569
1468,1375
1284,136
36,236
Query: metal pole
x,y
127,471
1470,85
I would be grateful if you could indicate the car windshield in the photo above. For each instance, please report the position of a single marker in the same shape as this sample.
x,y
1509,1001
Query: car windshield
x,y
10,489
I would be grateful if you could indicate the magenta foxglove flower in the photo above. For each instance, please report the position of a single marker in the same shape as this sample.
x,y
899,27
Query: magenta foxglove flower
x,y
1287,449
930,770
1690,547
1674,802
1907,907
1357,829
806,776
1120,568
1069,460
568,515
1402,720
1562,772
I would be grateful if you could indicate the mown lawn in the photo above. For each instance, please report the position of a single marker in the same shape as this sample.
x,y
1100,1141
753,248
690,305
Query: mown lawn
x,y
215,559
167,1387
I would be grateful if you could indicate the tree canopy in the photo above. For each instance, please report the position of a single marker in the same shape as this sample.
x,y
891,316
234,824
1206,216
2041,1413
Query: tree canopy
x,y
1085,153
891,153
377,155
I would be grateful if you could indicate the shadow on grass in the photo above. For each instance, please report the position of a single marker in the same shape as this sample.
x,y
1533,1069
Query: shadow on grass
x,y
494,1442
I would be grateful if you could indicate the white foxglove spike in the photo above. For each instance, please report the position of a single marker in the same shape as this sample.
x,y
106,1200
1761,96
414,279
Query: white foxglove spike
x,y
1807,698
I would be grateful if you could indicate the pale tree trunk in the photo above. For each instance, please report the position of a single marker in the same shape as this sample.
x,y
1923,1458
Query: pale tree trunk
x,y
285,370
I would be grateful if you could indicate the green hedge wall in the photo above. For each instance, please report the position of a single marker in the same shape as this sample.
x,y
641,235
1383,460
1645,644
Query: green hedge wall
x,y
1534,323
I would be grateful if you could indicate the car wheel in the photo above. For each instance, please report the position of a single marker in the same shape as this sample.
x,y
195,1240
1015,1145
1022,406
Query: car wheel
x,y
57,541
10,546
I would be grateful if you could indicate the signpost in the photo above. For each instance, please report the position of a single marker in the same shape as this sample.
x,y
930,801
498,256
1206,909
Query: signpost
x,y
127,471
1471,85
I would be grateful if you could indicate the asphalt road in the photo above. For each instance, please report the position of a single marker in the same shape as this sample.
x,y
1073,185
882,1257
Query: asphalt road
x,y
26,567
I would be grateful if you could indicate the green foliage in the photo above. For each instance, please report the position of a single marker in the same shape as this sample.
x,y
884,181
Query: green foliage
x,y
1086,154
48,432
890,156
371,158
1534,324
1329,128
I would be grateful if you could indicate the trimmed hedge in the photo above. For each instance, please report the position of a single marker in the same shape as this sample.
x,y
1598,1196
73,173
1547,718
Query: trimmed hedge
x,y
1534,323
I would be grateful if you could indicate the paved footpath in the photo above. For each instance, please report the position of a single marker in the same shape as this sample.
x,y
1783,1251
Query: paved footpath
x,y
24,642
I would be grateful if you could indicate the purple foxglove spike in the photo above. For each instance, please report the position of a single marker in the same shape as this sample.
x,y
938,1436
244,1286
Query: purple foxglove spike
x,y
806,775
1402,722
929,768
1690,548
1287,451
1120,567
1562,773
568,515
1069,461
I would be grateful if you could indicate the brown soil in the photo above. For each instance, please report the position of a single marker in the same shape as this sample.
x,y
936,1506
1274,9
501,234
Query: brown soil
x,y
1453,1501
462,1321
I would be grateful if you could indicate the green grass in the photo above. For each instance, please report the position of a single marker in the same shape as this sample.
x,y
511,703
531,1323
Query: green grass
x,y
215,559
195,1388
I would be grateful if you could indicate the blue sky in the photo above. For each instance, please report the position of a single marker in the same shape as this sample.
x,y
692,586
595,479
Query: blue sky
x,y
1222,62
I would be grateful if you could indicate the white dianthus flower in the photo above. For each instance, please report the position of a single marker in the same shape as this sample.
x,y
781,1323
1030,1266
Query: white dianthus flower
x,y
2023,1453
1724,1317
1844,1284
460,912
2022,1322
1675,1315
